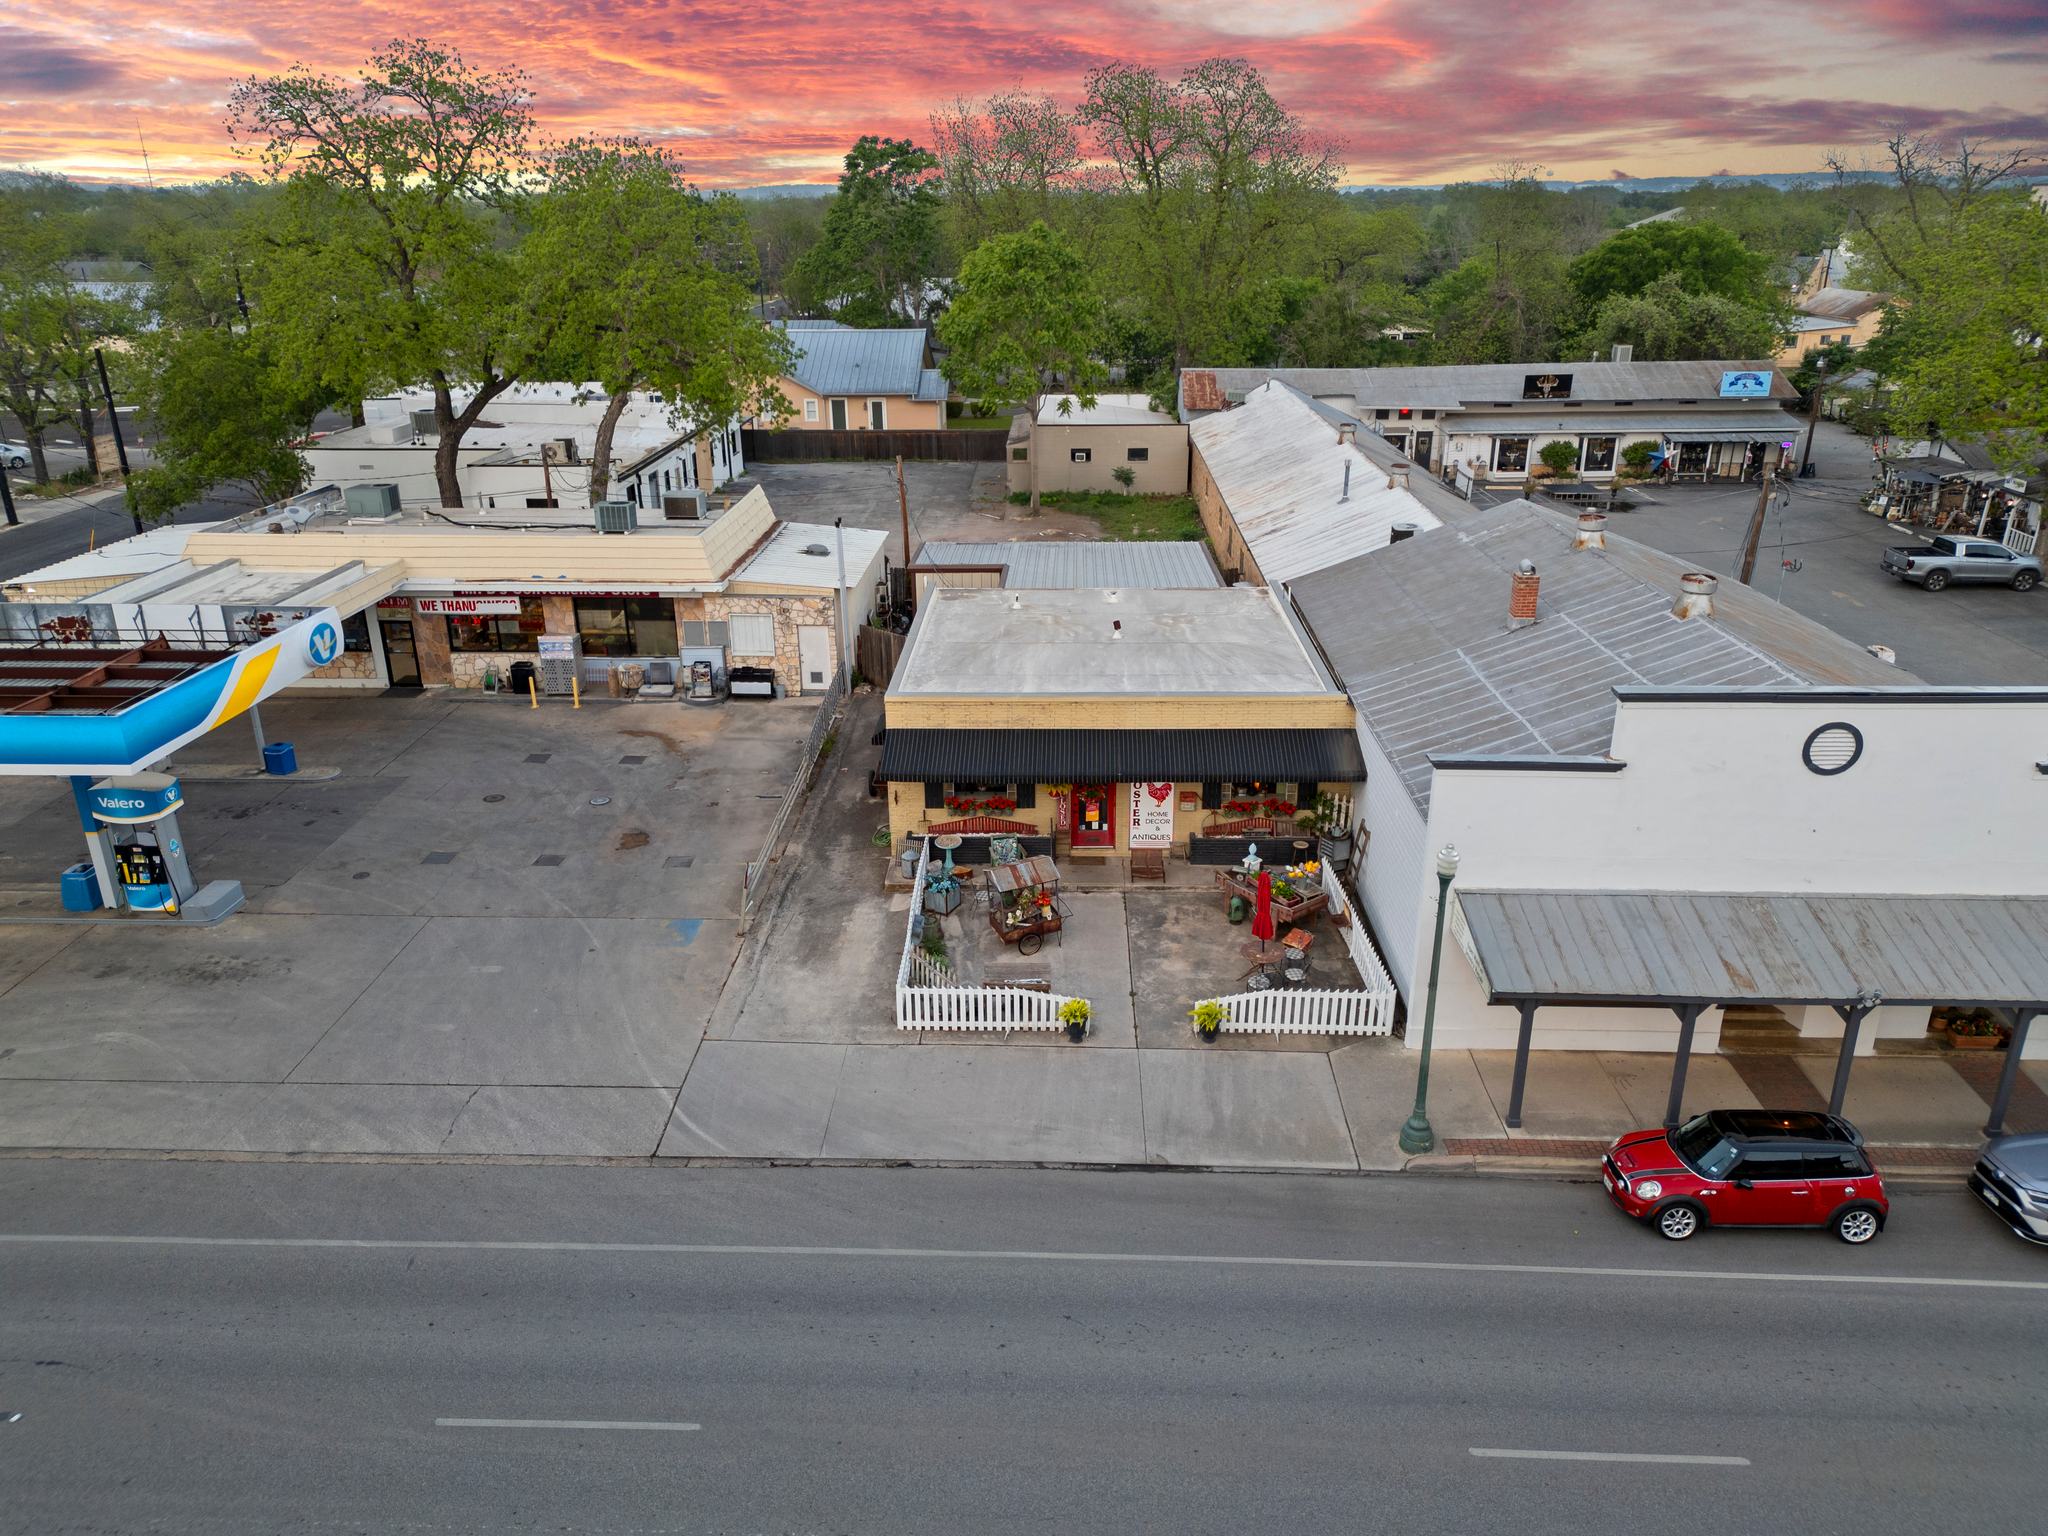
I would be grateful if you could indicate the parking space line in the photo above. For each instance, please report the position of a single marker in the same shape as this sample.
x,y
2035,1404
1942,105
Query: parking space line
x,y
1684,1461
560,1424
1012,1256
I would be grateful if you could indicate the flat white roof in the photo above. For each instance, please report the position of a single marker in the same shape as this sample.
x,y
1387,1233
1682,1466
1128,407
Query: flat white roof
x,y
782,560
136,556
999,642
1107,411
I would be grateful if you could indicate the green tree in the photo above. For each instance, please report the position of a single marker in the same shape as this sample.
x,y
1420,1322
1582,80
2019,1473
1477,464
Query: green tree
x,y
1214,186
783,229
387,261
1026,322
1706,257
652,281
1666,324
876,261
1508,300
47,327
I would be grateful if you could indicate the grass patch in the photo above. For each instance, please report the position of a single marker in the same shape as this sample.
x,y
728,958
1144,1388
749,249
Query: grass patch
x,y
979,423
1136,518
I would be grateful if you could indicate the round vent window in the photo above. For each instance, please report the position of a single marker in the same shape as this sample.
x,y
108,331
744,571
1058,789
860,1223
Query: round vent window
x,y
1834,748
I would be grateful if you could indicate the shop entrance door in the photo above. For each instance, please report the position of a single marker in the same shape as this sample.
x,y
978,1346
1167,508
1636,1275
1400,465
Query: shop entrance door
x,y
1094,816
399,654
1424,442
1692,459
814,656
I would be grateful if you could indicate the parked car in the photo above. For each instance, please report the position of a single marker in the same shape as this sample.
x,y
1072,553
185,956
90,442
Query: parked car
x,y
1934,565
1748,1168
2012,1178
13,457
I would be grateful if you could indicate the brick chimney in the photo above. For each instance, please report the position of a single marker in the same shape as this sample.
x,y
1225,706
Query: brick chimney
x,y
1522,597
1695,596
1592,531
1346,431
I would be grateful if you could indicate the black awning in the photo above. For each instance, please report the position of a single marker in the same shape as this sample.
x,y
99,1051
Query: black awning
x,y
973,756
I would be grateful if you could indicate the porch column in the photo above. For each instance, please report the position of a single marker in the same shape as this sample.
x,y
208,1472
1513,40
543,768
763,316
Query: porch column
x,y
2000,1101
1688,1016
1852,1024
1528,1012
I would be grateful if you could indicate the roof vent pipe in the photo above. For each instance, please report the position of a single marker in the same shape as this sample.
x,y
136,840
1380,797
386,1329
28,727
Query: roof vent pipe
x,y
1401,531
1347,431
1116,629
1695,596
1522,596
1397,478
1592,531
1347,482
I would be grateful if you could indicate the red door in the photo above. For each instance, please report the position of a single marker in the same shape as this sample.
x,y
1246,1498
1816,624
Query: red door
x,y
1094,816
1779,1193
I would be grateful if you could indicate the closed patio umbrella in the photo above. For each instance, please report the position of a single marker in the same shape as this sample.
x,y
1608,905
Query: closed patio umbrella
x,y
1262,914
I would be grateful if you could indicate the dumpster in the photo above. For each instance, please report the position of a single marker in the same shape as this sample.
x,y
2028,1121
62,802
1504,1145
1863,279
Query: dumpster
x,y
279,757
81,885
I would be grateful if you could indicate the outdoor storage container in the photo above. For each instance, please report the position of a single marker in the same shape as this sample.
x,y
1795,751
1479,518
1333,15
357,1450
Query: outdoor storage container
x,y
81,884
279,757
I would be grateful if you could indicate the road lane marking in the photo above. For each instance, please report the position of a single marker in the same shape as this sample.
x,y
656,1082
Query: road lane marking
x,y
1009,1256
1684,1461
559,1424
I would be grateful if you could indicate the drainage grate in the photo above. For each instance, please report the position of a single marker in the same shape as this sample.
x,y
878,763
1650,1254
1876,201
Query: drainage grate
x,y
361,874
634,760
439,858
679,861
492,799
551,860
538,757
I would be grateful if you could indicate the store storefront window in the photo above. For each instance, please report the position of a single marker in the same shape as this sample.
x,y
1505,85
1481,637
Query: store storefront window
x,y
627,626
1599,454
519,631
1510,454
355,632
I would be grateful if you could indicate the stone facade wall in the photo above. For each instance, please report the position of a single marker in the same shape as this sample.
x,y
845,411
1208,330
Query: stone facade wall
x,y
430,645
789,613
348,667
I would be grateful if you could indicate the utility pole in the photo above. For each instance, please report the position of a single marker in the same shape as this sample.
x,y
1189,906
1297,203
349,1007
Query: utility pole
x,y
1756,531
1813,416
7,498
903,500
845,636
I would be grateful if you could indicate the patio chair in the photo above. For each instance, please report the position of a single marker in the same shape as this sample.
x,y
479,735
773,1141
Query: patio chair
x,y
1148,863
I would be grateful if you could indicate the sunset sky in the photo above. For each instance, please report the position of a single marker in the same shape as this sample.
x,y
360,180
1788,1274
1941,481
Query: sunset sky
x,y
767,92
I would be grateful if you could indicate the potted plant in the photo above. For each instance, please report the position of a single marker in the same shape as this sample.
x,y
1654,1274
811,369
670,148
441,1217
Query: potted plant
x,y
1325,822
1074,1014
1976,1032
1208,1017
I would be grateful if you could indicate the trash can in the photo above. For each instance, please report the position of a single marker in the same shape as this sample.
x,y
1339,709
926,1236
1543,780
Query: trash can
x,y
279,757
631,675
524,679
81,886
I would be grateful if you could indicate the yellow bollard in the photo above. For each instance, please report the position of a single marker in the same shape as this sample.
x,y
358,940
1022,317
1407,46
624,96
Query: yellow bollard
x,y
576,691
533,693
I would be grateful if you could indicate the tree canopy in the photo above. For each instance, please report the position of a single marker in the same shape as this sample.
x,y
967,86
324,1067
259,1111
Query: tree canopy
x,y
876,260
1705,258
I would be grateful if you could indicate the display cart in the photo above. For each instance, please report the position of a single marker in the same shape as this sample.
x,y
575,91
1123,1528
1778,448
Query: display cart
x,y
1023,902
1300,909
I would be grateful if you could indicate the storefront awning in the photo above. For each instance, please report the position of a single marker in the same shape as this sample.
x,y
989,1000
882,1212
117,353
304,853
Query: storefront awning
x,y
1785,434
1666,949
974,756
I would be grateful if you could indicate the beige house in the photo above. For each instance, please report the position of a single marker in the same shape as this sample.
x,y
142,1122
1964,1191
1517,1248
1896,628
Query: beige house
x,y
1081,448
848,380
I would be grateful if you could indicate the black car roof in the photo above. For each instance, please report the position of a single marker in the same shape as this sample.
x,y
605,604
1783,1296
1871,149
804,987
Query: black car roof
x,y
1781,1125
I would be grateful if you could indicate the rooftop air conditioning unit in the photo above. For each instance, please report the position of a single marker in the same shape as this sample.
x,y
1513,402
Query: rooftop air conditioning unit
x,y
558,450
424,425
616,516
689,506
372,500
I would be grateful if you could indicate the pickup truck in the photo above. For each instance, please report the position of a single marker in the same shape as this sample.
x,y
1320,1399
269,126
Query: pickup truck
x,y
1938,562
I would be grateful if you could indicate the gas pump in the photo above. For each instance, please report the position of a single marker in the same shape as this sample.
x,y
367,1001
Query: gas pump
x,y
140,813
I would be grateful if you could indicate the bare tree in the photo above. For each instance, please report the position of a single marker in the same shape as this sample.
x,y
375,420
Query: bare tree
x,y
1005,163
1940,179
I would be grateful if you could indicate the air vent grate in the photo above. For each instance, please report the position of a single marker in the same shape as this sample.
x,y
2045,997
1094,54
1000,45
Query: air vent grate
x,y
1833,748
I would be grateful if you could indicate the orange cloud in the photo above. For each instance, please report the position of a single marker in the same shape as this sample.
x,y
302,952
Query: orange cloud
x,y
761,91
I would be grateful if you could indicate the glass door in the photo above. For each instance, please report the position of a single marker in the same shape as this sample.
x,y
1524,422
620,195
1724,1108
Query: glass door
x,y
399,654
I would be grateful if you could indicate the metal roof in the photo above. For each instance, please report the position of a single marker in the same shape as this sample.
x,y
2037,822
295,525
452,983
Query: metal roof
x,y
1417,633
977,756
1450,387
1683,947
1160,563
1843,306
843,361
1302,500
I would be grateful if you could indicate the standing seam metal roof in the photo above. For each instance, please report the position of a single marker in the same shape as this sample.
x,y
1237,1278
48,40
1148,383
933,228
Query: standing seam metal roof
x,y
844,361
1418,634
1165,563
1450,387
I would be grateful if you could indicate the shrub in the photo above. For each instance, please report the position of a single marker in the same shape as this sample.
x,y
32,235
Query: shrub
x,y
1638,455
1124,476
1562,458
1208,1016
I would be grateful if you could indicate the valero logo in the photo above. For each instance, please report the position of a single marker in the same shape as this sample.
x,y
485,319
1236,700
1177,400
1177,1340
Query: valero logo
x,y
323,644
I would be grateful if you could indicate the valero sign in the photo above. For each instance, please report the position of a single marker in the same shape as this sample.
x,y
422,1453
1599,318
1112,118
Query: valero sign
x,y
142,797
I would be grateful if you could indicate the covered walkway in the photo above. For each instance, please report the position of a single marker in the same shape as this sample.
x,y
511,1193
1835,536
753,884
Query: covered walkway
x,y
1690,952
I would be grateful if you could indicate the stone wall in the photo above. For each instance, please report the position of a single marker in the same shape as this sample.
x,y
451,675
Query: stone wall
x,y
790,613
348,667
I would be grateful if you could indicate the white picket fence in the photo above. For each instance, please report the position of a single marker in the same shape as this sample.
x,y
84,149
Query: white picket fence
x,y
929,995
977,1008
1308,1013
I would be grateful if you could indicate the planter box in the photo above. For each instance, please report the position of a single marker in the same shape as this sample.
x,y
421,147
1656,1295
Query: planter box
x,y
1975,1042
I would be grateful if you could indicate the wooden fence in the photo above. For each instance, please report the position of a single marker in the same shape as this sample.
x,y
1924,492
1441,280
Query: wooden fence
x,y
1309,1013
977,446
977,1008
876,652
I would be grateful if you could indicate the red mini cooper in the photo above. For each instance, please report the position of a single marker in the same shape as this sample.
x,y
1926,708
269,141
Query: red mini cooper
x,y
1748,1168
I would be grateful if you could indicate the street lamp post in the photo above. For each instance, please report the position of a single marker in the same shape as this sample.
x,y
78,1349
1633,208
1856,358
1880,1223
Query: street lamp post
x,y
1416,1135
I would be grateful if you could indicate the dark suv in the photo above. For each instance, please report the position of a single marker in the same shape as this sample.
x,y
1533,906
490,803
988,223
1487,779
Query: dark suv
x,y
1748,1168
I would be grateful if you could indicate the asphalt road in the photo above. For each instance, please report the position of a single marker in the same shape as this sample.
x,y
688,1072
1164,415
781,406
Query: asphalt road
x,y
894,1350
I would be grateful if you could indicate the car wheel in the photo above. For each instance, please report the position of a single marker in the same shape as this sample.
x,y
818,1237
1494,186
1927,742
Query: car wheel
x,y
1679,1221
2026,581
1935,581
1858,1224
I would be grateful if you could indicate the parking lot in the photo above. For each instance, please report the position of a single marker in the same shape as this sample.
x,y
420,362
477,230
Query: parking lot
x,y
498,930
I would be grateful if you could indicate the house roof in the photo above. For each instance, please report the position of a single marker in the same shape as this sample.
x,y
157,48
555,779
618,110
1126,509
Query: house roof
x,y
782,561
1418,634
838,360
1107,411
1447,388
1199,390
1162,563
1302,500
1841,304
